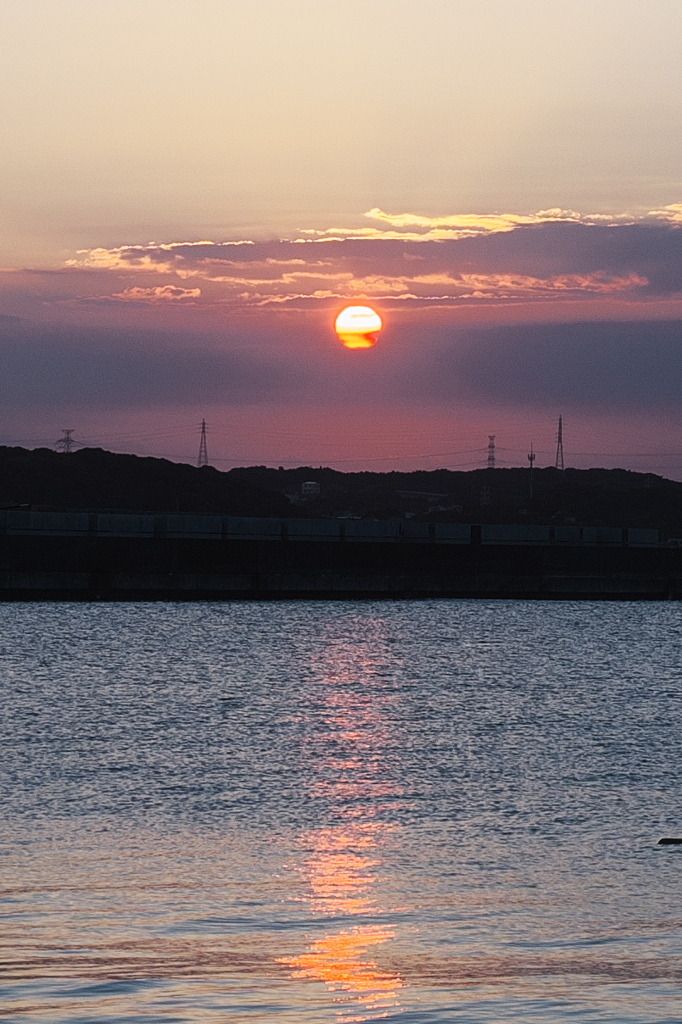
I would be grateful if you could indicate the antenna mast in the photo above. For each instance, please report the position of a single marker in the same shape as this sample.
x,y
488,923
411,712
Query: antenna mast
x,y
559,463
203,448
531,459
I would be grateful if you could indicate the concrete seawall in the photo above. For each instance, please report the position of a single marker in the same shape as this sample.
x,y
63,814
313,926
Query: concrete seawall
x,y
92,556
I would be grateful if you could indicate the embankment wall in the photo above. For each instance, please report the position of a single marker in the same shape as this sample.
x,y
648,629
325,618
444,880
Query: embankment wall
x,y
96,556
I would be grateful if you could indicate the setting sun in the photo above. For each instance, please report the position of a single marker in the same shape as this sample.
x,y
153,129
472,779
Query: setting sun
x,y
357,326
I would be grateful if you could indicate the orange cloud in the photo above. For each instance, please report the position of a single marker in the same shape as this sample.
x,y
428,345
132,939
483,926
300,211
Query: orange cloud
x,y
466,225
449,287
141,257
672,212
407,259
164,293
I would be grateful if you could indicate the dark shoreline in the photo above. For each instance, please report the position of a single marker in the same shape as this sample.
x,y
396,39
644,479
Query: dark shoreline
x,y
105,557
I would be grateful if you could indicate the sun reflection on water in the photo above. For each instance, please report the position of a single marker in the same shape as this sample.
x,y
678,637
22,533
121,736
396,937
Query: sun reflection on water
x,y
341,877
341,869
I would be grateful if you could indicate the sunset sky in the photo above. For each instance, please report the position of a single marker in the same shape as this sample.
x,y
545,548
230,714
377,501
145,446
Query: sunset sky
x,y
193,189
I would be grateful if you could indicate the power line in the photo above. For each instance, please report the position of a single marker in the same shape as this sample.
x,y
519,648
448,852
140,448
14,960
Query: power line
x,y
67,443
614,455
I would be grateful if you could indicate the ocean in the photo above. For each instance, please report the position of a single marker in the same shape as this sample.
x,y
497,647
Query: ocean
x,y
332,812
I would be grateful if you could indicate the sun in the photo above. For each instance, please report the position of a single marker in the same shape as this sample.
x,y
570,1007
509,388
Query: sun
x,y
358,326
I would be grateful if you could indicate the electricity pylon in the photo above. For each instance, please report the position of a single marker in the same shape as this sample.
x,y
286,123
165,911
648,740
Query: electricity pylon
x,y
203,448
491,451
66,443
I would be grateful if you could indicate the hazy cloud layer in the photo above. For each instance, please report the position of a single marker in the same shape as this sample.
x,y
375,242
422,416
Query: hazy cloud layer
x,y
627,366
631,365
131,369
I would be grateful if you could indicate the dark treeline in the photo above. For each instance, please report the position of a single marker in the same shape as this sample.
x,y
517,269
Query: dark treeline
x,y
615,497
95,479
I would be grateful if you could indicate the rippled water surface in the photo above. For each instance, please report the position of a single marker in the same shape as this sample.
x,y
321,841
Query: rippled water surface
x,y
349,811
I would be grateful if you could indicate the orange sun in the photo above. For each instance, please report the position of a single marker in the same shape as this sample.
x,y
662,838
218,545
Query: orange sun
x,y
358,326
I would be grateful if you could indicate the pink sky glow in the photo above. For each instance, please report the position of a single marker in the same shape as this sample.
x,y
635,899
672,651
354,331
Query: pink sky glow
x,y
500,182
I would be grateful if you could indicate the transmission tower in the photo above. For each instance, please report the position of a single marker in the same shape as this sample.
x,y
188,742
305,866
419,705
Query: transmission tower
x,y
491,451
203,448
66,443
559,463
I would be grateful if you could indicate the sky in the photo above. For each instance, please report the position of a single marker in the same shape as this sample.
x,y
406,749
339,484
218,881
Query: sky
x,y
192,190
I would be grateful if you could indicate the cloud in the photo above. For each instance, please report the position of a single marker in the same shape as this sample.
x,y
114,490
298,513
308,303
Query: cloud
x,y
454,290
99,368
503,264
673,213
163,293
140,257
606,366
410,258
467,225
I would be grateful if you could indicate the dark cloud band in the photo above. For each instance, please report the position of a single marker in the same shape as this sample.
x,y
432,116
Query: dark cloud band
x,y
626,365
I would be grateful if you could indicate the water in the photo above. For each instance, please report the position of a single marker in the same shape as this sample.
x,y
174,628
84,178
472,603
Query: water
x,y
305,813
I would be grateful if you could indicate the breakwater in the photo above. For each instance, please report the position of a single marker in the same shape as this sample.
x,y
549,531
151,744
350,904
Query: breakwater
x,y
98,556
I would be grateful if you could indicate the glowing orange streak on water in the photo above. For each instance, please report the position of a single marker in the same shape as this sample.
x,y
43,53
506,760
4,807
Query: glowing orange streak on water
x,y
341,876
341,867
336,959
